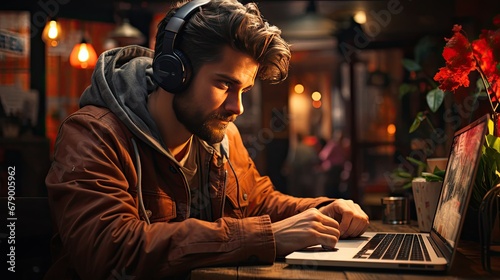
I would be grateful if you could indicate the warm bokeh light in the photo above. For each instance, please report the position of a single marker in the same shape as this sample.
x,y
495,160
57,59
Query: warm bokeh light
x,y
391,129
360,17
51,33
316,96
83,56
316,104
299,88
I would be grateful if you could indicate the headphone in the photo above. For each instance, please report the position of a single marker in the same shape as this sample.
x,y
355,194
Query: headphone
x,y
171,68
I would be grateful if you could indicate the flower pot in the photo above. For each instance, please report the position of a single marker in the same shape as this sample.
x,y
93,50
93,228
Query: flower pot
x,y
425,196
440,163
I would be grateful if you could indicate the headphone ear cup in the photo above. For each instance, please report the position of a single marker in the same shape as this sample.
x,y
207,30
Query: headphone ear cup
x,y
172,72
186,70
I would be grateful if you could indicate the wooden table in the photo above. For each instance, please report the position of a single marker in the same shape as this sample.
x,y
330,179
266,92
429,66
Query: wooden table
x,y
467,265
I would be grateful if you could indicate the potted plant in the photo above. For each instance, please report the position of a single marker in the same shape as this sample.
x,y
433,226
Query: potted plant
x,y
425,186
465,60
405,177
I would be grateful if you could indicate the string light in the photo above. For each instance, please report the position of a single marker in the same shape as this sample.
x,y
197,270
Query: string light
x,y
299,88
83,55
316,96
391,129
316,104
51,33
360,17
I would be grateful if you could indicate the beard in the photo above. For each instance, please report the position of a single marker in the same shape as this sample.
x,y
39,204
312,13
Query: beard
x,y
208,127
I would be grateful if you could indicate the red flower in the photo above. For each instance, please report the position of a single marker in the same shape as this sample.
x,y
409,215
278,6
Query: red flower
x,y
491,67
487,63
459,62
462,57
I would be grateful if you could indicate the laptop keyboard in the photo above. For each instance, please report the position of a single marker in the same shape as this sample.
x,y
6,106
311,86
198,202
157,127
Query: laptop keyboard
x,y
395,246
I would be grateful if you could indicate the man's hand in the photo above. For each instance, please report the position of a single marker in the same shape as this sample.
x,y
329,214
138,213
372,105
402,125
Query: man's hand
x,y
353,220
305,229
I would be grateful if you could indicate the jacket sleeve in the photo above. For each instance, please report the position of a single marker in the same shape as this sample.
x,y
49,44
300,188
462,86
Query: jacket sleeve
x,y
97,221
264,199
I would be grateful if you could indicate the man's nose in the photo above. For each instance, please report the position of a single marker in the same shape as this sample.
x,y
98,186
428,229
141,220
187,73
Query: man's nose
x,y
234,103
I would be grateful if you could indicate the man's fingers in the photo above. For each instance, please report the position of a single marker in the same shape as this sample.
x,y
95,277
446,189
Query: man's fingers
x,y
327,229
364,221
328,241
345,224
329,221
354,221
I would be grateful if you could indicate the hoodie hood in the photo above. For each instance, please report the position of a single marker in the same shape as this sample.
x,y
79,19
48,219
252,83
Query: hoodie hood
x,y
121,82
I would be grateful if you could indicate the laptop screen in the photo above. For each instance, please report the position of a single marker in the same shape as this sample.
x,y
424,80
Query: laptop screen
x,y
458,182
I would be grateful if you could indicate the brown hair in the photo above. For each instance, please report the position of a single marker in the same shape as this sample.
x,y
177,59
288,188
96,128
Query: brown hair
x,y
242,27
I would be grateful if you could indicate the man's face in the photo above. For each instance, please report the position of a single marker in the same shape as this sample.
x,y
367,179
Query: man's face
x,y
213,98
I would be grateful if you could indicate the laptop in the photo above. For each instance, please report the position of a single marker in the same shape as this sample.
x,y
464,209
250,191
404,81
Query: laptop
x,y
433,251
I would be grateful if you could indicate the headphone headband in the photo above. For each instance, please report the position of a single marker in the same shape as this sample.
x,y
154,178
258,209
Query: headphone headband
x,y
171,68
177,21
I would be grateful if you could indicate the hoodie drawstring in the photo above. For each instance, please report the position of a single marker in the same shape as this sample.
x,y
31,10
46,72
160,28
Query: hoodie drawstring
x,y
139,182
226,155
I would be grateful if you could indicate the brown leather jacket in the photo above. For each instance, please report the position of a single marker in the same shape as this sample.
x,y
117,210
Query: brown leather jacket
x,y
99,232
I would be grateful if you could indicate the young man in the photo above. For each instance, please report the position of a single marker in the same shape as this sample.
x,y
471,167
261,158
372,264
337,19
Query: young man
x,y
152,181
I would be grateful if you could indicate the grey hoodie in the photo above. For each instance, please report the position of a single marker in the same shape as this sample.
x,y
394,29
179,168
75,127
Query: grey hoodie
x,y
122,81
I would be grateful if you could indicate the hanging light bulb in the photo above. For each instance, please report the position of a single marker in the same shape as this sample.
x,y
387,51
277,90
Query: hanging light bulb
x,y
83,55
126,34
360,17
309,25
51,33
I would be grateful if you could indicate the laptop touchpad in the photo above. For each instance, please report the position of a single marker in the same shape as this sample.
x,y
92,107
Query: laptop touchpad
x,y
351,242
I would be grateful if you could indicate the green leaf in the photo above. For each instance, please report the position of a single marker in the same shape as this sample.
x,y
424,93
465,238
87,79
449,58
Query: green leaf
x,y
421,166
493,141
491,128
405,89
416,123
411,65
488,174
482,94
403,174
418,120
434,99
430,177
407,185
416,161
480,84
439,173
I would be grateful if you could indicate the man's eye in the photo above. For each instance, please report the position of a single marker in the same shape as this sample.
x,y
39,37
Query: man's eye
x,y
224,85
